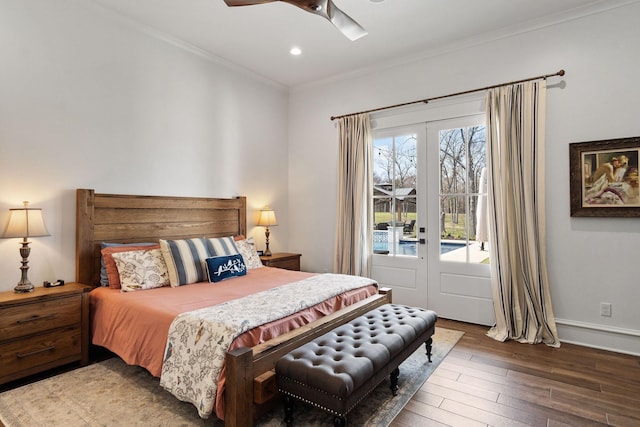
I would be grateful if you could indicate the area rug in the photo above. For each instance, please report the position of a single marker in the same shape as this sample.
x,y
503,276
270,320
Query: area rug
x,y
111,393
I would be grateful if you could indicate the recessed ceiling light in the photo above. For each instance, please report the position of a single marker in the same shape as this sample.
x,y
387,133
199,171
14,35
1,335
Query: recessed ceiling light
x,y
295,51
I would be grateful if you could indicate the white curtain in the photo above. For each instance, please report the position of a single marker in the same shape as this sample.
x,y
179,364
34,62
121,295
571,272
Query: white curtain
x,y
515,157
355,197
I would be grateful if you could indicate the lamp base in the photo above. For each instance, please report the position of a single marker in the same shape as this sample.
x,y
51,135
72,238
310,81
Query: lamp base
x,y
267,252
23,288
24,285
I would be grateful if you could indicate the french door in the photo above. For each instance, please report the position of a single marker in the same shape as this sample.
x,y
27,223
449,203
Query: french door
x,y
430,242
458,279
399,260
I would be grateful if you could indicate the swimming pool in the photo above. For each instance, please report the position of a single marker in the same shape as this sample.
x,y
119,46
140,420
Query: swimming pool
x,y
408,247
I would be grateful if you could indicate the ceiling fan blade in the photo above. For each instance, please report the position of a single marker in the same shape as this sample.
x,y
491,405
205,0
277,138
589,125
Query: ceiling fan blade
x,y
231,3
325,8
328,10
345,23
317,7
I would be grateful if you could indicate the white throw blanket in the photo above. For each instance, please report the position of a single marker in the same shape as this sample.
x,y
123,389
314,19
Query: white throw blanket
x,y
198,340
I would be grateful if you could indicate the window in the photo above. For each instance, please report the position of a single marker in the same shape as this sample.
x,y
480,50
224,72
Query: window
x,y
463,207
394,194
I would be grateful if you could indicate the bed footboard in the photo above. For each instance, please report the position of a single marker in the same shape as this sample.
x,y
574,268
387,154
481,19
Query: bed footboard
x,y
244,365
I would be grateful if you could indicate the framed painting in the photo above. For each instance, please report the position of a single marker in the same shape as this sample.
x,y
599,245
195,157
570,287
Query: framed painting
x,y
604,178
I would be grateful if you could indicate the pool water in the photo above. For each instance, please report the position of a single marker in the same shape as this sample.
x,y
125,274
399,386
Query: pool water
x,y
408,248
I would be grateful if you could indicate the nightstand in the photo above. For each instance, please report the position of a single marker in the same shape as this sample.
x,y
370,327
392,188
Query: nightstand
x,y
43,329
286,260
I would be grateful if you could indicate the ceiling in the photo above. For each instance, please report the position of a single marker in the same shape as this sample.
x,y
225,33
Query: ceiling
x,y
259,37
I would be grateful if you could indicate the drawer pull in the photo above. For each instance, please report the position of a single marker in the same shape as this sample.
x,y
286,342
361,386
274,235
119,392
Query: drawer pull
x,y
34,352
34,318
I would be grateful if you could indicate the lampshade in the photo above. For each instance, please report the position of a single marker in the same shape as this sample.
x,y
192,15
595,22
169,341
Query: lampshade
x,y
25,222
267,217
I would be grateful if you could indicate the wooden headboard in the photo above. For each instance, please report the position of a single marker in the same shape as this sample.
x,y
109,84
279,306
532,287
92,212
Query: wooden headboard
x,y
122,218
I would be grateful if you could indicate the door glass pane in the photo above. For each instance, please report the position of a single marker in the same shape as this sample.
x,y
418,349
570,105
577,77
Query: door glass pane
x,y
394,195
452,161
453,218
462,195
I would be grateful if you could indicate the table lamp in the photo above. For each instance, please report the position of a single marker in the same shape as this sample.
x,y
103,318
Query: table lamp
x,y
267,219
25,222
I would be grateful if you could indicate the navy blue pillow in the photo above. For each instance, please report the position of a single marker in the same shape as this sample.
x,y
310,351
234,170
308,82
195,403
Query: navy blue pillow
x,y
225,267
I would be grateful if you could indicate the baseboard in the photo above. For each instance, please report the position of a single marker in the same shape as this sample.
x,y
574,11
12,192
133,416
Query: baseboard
x,y
602,337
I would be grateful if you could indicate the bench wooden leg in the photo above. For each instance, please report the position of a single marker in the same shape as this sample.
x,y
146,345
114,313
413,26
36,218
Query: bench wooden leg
x,y
393,379
428,345
288,410
339,421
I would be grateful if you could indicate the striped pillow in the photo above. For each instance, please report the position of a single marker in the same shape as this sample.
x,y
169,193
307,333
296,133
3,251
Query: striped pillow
x,y
221,246
186,260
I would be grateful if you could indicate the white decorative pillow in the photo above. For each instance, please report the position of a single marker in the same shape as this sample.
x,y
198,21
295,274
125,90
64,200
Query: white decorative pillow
x,y
140,270
248,251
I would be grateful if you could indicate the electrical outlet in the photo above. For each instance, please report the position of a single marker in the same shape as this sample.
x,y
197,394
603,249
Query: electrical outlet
x,y
605,309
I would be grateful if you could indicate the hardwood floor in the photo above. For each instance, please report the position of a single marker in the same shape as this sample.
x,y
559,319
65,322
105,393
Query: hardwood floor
x,y
483,382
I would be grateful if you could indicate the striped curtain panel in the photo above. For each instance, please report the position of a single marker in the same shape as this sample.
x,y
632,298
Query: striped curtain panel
x,y
355,197
515,157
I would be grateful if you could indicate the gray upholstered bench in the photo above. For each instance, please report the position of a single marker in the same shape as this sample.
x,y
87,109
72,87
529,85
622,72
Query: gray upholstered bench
x,y
338,369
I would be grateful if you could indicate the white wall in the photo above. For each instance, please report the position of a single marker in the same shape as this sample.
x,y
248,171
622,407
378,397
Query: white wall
x,y
89,101
590,260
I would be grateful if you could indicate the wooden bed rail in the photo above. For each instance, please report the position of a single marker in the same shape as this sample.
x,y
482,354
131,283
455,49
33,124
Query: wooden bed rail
x,y
244,364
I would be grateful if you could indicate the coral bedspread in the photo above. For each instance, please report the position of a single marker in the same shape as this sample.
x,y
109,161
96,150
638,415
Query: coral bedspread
x,y
134,325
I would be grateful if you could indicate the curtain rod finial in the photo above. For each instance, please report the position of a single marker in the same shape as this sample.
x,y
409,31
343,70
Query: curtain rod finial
x,y
561,73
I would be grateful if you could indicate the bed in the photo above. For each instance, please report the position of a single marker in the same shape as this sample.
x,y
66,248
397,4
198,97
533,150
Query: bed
x,y
248,379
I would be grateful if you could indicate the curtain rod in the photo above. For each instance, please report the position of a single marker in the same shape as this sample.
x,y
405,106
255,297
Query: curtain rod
x,y
427,100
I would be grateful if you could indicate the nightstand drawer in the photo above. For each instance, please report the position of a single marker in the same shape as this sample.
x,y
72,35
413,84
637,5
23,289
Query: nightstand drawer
x,y
286,260
39,316
289,264
52,347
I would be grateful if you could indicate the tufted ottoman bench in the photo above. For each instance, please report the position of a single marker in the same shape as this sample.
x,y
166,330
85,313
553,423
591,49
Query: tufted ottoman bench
x,y
338,369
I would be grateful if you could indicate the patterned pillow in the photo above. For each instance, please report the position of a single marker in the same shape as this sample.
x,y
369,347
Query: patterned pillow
x,y
225,267
248,251
113,277
140,270
220,246
185,260
104,278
